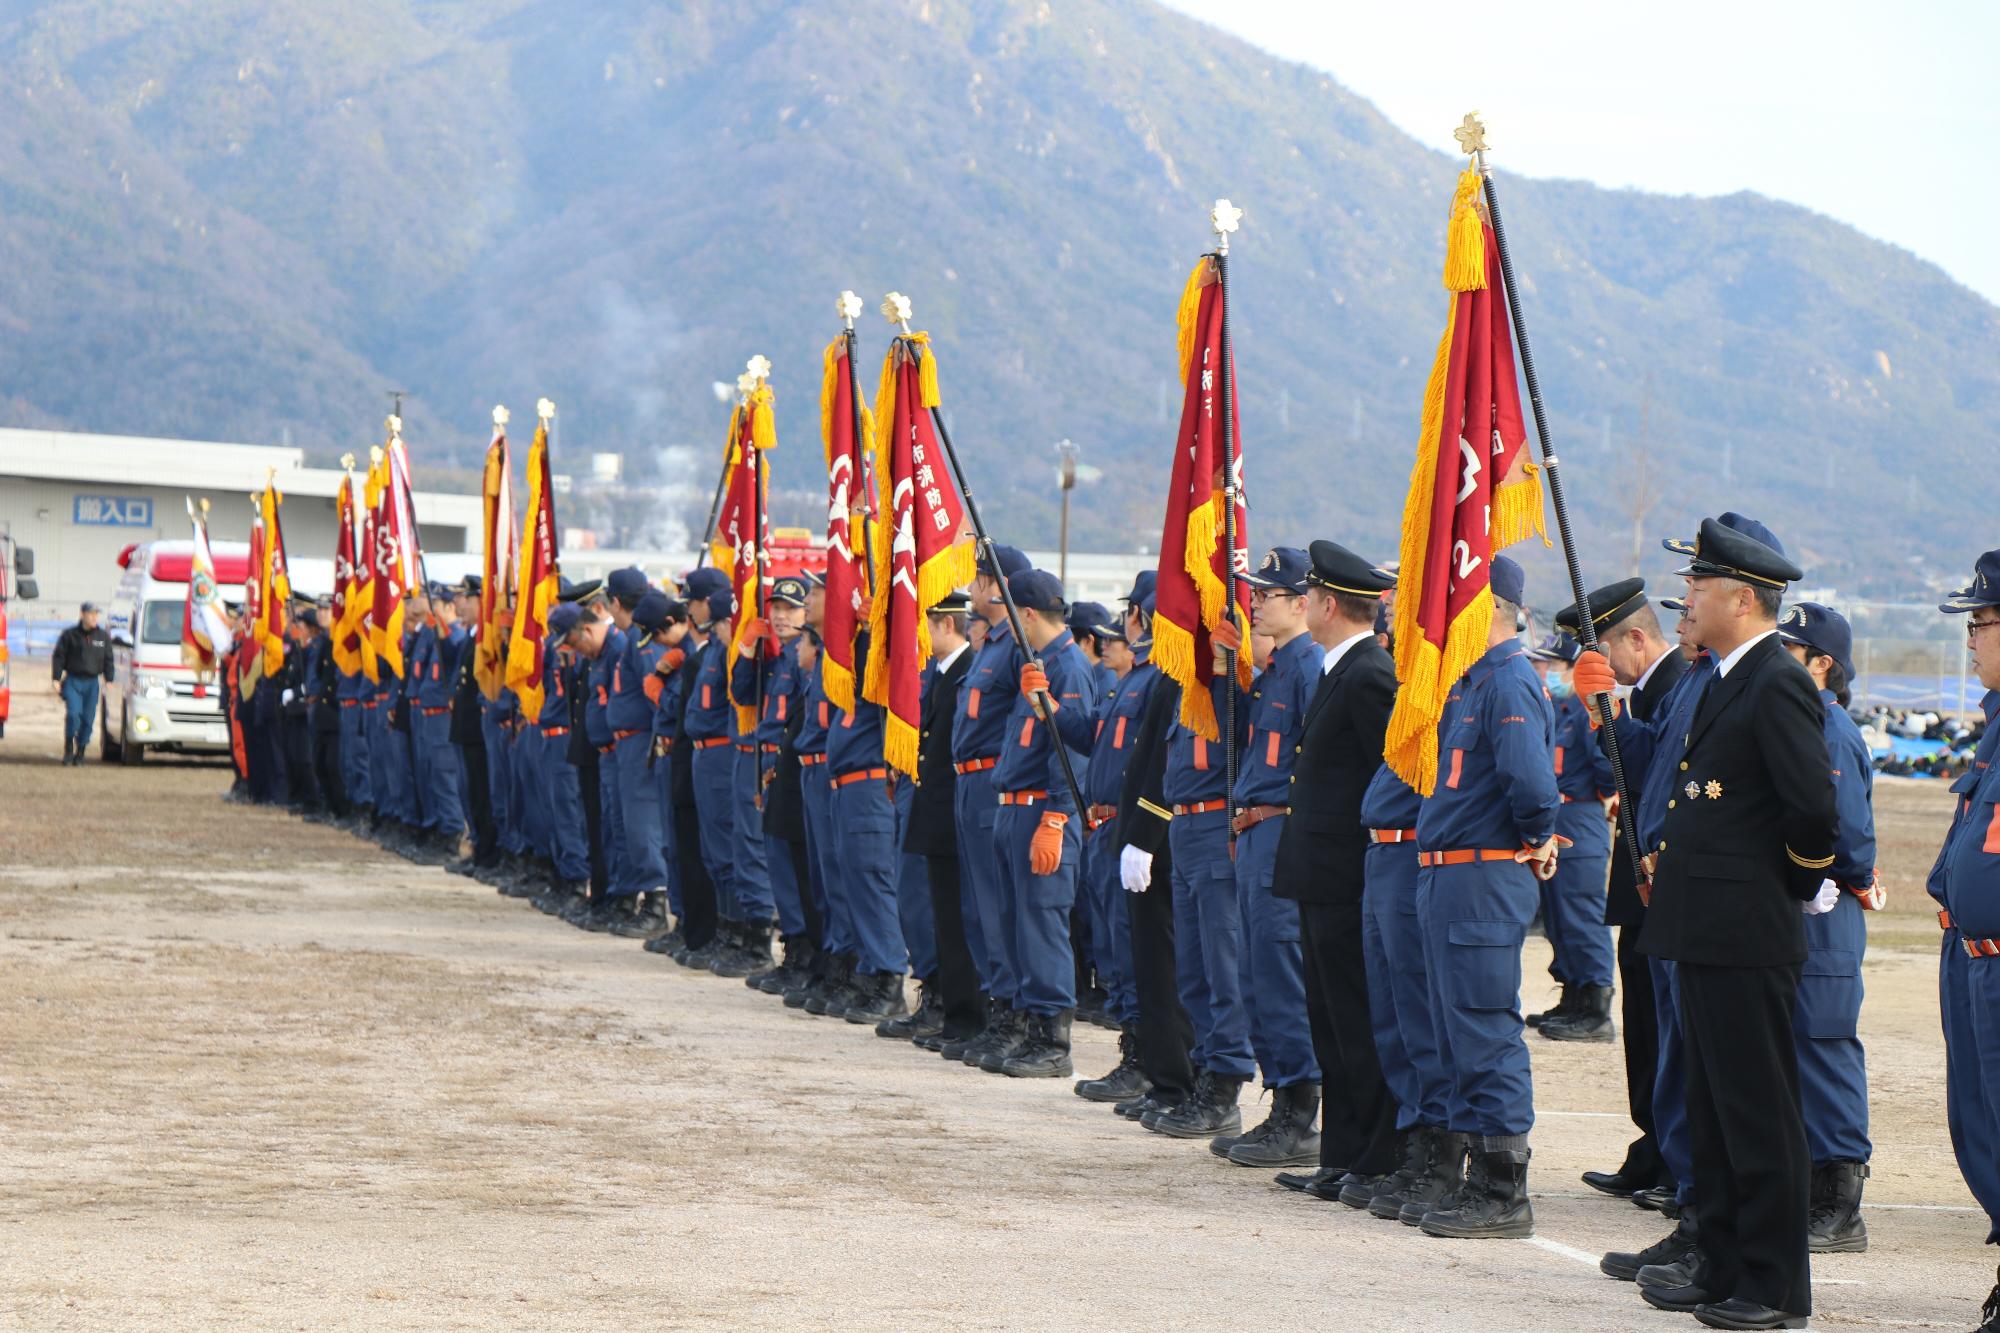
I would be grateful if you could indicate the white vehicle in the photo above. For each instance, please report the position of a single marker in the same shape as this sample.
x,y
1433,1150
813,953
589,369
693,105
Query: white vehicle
x,y
152,701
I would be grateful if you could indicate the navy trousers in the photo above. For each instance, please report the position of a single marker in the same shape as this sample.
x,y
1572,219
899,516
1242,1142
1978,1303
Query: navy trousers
x,y
1036,911
1475,920
1208,943
1272,963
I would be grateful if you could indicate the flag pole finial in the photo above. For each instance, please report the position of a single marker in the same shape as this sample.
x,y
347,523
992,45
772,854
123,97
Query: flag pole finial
x,y
395,425
1471,136
374,453
896,309
1225,218
501,416
850,307
204,504
347,461
545,409
759,368
746,384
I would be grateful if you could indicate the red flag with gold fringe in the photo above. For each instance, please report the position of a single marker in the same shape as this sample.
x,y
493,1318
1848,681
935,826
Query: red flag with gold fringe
x,y
922,549
1189,599
538,582
848,596
496,579
740,530
1473,491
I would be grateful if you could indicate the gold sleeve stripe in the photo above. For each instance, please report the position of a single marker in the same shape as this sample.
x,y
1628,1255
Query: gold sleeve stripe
x,y
1152,809
1809,862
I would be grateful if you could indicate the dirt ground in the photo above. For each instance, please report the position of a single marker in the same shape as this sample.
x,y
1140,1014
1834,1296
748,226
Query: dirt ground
x,y
254,1073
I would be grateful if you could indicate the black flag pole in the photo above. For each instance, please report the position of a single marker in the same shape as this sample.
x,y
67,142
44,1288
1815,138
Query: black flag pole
x,y
1224,218
714,506
758,372
897,308
1471,135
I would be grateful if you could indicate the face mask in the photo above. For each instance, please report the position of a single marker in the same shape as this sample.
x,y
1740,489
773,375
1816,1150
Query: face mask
x,y
1560,688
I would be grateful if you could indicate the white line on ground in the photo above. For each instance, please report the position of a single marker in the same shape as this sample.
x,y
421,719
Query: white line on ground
x,y
1566,1251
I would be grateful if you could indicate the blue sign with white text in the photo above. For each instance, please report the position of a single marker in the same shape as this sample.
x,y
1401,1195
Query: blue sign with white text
x,y
113,511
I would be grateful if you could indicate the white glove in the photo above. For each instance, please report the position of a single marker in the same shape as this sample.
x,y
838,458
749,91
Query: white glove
x,y
1825,900
1135,869
285,698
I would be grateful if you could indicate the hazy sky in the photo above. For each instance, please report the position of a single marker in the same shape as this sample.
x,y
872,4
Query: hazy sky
x,y
1884,115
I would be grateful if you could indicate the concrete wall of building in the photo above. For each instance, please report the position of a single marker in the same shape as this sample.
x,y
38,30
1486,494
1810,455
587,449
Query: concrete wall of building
x,y
77,560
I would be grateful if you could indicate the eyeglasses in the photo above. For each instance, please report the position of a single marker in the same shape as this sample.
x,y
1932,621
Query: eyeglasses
x,y
1266,594
1972,627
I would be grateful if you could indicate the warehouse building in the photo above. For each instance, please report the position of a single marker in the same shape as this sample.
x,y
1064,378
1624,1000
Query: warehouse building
x,y
78,500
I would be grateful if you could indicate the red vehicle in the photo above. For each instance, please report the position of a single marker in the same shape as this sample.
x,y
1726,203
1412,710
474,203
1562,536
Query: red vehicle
x,y
17,584
796,551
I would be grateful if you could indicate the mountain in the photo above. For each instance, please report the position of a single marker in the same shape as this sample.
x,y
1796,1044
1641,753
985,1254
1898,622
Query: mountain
x,y
245,219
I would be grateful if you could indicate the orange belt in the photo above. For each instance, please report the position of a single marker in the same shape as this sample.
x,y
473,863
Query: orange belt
x,y
1392,835
1944,920
370,703
1022,797
1202,807
1465,856
349,703
975,765
1255,815
808,760
617,736
555,731
859,775
607,749
1981,948
711,742
433,712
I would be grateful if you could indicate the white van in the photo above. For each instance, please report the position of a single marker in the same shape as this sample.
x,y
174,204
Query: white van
x,y
152,702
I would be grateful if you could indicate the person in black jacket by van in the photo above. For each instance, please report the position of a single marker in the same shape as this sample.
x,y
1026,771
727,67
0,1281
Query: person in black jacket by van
x,y
82,663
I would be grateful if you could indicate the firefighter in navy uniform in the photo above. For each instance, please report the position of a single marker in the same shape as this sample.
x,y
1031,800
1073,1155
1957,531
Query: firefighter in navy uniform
x,y
1748,837
1485,837
1966,883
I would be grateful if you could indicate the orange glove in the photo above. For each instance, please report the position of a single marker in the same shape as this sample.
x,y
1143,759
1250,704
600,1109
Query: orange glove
x,y
1592,676
1542,859
653,686
1034,680
1045,852
1225,635
1872,895
672,661
756,627
1611,811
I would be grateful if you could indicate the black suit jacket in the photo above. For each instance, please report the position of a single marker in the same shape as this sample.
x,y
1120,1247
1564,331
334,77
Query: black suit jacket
x,y
1323,845
1636,753
933,830
1749,832
1143,812
466,697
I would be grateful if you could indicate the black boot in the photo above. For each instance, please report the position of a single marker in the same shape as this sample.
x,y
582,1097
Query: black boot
x,y
814,981
1418,1145
958,1048
1677,1248
1834,1225
1124,1082
1589,1021
1291,1139
721,942
1211,1110
927,1018
1562,1008
791,971
647,919
878,997
1494,1203
830,997
69,748
557,898
1045,1053
1321,1182
1990,1311
1443,1174
751,954
1008,1042
605,912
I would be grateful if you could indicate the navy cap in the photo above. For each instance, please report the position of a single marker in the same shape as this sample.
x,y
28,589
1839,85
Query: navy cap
x,y
441,592
1509,583
652,611
1820,629
563,617
813,578
471,585
87,606
1557,647
1729,518
1722,552
1093,618
1984,590
1608,605
1674,604
1338,569
790,589
1036,590
954,603
1008,558
309,617
576,592
704,583
1142,588
627,585
1283,568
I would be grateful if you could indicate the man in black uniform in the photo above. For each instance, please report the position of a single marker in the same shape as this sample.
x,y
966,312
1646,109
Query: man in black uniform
x,y
1320,866
82,663
321,678
1643,658
1748,838
468,738
932,832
